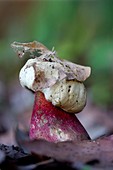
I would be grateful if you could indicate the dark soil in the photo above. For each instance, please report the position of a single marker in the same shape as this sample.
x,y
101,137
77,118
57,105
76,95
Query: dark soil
x,y
14,158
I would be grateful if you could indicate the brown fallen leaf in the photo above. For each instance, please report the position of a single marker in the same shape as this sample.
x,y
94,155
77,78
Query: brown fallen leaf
x,y
71,151
63,68
22,48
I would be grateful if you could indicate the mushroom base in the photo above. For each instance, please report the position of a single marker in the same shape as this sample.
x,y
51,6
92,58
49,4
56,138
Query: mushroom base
x,y
53,124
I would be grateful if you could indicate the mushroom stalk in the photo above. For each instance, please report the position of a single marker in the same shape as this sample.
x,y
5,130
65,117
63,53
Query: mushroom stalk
x,y
54,124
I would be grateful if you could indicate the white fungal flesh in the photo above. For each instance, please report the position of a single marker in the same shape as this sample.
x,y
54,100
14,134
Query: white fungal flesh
x,y
27,76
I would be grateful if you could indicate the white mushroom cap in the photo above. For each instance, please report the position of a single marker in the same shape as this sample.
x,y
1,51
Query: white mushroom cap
x,y
60,81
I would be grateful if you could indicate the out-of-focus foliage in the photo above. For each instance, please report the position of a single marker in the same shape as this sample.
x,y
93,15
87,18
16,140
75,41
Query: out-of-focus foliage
x,y
81,31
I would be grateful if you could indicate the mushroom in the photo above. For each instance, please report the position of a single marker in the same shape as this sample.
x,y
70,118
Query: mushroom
x,y
59,93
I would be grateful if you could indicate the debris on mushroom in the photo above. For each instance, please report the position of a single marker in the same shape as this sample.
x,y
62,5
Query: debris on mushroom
x,y
59,84
22,48
57,79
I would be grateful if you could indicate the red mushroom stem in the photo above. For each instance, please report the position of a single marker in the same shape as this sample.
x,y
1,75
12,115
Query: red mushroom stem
x,y
53,124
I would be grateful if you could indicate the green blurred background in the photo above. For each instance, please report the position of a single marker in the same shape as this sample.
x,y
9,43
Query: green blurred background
x,y
81,31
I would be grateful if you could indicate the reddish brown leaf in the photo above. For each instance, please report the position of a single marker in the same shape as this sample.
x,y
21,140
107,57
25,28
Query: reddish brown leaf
x,y
71,151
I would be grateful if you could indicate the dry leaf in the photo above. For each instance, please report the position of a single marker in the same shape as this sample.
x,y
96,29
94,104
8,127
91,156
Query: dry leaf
x,y
69,69
22,48
70,151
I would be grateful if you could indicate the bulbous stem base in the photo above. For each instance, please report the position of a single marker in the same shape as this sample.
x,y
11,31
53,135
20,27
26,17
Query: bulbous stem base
x,y
53,124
